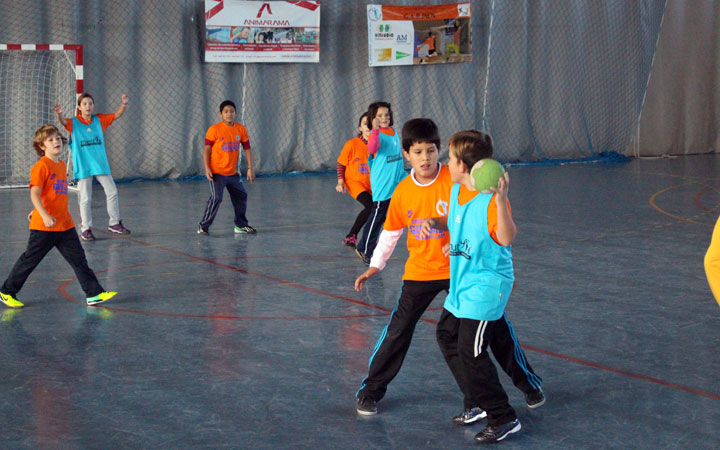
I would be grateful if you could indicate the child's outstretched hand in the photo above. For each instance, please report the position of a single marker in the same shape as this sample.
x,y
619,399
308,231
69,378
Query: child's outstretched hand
x,y
125,99
446,250
58,109
360,281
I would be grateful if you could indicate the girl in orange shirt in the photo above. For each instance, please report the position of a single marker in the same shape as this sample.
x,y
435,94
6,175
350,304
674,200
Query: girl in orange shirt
x,y
353,176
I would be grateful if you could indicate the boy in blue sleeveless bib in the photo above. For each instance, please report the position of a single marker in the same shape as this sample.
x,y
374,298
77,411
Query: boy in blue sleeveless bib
x,y
481,279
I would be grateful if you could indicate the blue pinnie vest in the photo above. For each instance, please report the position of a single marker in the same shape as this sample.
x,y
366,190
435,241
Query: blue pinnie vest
x,y
88,149
481,270
386,167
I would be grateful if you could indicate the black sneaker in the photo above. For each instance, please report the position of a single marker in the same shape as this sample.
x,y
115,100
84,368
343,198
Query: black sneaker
x,y
366,406
365,258
495,434
202,230
535,399
469,416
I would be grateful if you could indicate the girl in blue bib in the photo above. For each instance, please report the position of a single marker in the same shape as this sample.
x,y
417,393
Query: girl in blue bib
x,y
89,159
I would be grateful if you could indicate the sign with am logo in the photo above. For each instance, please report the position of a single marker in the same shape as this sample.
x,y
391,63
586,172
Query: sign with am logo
x,y
419,34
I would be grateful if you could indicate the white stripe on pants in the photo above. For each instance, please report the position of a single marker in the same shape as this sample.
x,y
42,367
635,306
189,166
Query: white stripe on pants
x,y
85,200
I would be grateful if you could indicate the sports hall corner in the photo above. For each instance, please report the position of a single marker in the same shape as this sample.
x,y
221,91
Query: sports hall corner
x,y
604,115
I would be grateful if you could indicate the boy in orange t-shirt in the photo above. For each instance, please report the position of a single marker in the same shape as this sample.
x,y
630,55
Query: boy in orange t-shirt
x,y
422,195
353,175
220,158
50,223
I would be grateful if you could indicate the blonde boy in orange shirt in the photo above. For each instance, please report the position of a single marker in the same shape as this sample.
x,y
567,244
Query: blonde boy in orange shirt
x,y
422,195
50,223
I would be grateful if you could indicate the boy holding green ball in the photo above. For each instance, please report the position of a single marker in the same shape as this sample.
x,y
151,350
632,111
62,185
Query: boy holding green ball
x,y
481,279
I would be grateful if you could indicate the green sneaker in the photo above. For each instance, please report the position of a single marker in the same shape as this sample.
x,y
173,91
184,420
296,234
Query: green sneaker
x,y
245,230
101,297
10,302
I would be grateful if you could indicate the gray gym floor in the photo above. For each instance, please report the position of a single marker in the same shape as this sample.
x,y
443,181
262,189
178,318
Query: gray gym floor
x,y
260,341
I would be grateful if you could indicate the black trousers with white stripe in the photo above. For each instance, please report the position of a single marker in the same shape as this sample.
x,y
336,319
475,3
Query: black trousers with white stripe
x,y
464,344
373,227
395,339
238,197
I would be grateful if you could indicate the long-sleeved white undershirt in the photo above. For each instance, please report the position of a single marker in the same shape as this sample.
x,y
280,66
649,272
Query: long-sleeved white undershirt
x,y
385,247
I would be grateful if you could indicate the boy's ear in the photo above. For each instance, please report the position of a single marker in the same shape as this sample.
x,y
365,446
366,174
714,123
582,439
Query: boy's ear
x,y
406,154
464,167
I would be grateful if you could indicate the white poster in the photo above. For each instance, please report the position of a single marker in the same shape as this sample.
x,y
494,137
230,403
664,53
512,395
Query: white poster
x,y
245,31
430,34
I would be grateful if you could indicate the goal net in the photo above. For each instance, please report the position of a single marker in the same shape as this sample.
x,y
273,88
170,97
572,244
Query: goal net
x,y
33,78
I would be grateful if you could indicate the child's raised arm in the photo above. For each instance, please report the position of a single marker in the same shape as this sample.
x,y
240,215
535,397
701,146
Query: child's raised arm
x,y
59,113
121,109
506,229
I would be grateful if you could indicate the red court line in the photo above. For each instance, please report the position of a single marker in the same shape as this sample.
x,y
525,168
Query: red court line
x,y
527,347
699,195
624,372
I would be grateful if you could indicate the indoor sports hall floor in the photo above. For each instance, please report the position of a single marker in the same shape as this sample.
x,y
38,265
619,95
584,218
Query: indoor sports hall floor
x,y
260,341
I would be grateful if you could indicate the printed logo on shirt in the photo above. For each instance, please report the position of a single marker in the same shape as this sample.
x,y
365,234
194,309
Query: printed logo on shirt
x,y
52,176
60,187
94,141
461,249
409,213
441,207
237,137
230,147
394,158
363,169
416,226
457,218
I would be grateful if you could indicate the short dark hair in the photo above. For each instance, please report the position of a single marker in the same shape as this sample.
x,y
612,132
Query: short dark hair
x,y
361,118
373,109
227,103
470,146
416,131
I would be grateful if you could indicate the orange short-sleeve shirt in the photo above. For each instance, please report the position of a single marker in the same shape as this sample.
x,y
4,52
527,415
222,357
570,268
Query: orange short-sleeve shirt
x,y
105,121
50,176
354,156
465,195
225,151
410,205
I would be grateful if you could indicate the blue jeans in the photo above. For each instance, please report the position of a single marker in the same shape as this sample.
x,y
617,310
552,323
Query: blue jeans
x,y
238,197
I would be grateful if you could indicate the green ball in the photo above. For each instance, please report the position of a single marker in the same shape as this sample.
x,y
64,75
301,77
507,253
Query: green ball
x,y
485,174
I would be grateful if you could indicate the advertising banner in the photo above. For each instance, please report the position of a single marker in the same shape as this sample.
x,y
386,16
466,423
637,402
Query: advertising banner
x,y
244,31
406,35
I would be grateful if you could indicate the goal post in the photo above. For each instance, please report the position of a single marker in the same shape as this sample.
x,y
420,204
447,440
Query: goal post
x,y
33,78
